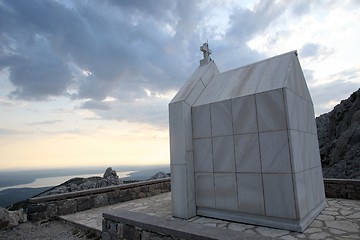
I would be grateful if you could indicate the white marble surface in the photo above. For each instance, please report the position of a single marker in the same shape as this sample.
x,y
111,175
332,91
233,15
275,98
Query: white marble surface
x,y
224,156
230,84
205,192
247,153
195,93
270,108
274,150
279,196
275,73
221,118
201,121
180,132
251,80
253,149
179,197
203,159
226,191
244,115
250,193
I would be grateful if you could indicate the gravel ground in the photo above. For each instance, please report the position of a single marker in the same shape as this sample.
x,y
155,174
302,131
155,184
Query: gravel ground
x,y
54,230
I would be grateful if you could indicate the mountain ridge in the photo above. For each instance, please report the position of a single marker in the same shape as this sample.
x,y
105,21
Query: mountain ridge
x,y
339,139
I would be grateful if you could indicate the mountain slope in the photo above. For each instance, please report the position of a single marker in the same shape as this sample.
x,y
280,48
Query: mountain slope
x,y
339,139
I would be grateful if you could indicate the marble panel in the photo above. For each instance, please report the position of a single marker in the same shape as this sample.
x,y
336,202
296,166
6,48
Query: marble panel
x,y
311,118
250,80
201,121
179,198
319,191
279,196
221,118
204,187
299,150
302,115
211,89
310,189
244,114
300,193
203,159
207,77
270,108
247,153
274,152
190,180
225,191
180,131
275,73
195,93
292,81
250,193
301,79
224,156
292,109
232,80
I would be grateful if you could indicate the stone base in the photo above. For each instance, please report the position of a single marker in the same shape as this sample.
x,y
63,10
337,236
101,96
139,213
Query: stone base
x,y
287,224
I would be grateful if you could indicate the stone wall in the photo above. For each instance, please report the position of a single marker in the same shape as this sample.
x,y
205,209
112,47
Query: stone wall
x,y
342,188
68,203
128,225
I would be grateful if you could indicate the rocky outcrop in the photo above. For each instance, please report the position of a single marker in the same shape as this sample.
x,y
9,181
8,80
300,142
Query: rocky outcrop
x,y
110,178
339,139
159,175
9,219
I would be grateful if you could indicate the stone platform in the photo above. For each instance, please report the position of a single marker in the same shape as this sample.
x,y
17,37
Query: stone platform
x,y
339,220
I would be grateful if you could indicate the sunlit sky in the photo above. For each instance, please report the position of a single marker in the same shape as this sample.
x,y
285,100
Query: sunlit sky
x,y
87,83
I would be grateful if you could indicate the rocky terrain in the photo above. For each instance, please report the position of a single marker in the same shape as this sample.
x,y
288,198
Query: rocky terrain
x,y
110,178
339,139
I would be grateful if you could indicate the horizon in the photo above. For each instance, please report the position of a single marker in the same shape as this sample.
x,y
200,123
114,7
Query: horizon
x,y
85,83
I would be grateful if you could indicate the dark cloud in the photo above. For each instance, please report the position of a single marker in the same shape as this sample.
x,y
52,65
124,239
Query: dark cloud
x,y
91,50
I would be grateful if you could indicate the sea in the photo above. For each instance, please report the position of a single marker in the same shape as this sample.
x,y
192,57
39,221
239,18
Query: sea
x,y
54,181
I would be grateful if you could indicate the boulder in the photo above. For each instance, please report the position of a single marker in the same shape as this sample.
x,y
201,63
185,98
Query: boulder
x,y
159,175
111,176
9,219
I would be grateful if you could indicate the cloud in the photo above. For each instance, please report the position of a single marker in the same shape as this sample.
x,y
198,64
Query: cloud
x,y
309,50
94,105
316,51
337,87
89,51
8,132
49,122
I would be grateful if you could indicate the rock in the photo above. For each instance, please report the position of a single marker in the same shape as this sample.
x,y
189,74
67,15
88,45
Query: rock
x,y
9,219
339,139
159,175
111,176
77,184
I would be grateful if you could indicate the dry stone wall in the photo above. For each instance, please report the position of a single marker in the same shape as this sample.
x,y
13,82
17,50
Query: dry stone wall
x,y
62,204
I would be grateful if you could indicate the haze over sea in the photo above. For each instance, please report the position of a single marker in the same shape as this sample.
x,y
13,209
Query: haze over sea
x,y
22,184
54,181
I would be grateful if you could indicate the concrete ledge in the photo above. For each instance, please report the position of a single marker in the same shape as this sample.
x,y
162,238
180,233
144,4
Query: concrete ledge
x,y
122,224
95,191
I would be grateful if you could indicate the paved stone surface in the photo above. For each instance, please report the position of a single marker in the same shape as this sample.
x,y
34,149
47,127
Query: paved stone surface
x,y
339,220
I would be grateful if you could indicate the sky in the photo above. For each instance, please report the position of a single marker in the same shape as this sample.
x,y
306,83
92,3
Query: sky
x,y
87,83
